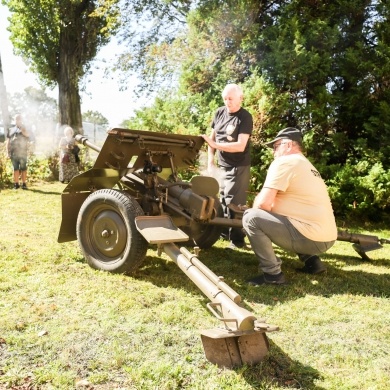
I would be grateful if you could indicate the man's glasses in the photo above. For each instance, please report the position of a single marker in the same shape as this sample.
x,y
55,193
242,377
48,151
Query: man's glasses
x,y
275,146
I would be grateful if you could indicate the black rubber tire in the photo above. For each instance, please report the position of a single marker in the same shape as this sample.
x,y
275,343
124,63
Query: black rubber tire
x,y
203,235
107,234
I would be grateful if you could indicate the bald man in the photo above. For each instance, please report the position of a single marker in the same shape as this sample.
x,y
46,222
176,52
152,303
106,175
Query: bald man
x,y
229,139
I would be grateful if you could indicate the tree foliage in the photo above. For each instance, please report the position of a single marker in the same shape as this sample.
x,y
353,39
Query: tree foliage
x,y
322,66
59,39
95,117
35,106
149,28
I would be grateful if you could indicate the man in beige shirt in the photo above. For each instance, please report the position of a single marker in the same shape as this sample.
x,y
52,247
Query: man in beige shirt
x,y
293,211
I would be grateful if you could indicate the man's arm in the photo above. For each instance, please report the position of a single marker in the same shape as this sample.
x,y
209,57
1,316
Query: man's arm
x,y
232,147
24,130
265,199
210,152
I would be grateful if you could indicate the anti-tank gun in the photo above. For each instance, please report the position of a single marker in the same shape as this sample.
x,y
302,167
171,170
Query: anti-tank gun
x,y
133,197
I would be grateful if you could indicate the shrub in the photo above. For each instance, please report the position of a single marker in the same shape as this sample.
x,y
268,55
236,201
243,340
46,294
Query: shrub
x,y
44,168
5,168
360,190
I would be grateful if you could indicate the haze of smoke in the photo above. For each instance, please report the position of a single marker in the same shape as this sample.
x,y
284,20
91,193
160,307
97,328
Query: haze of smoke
x,y
47,135
203,169
40,116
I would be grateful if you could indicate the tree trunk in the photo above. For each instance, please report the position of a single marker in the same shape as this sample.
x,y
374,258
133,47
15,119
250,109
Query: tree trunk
x,y
68,77
4,101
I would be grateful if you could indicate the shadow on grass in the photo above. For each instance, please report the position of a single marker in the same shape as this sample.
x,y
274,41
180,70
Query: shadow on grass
x,y
238,266
279,369
356,260
163,273
43,192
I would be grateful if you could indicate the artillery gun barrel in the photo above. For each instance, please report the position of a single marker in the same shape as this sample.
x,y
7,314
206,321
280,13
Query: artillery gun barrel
x,y
84,141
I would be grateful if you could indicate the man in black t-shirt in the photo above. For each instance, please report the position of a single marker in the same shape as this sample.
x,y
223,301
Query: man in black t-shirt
x,y
231,128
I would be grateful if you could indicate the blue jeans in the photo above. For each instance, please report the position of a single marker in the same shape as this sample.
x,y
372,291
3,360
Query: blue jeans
x,y
264,228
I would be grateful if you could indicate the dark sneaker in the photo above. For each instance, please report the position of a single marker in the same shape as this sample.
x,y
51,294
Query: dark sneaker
x,y
267,279
16,186
313,265
224,236
237,245
24,186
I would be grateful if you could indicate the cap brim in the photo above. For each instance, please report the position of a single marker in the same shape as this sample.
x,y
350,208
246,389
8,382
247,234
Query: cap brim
x,y
270,143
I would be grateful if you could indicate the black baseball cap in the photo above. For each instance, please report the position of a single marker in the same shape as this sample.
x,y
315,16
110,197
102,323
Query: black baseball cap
x,y
290,133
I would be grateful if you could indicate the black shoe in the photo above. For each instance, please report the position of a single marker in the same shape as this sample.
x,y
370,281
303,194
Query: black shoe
x,y
237,245
313,265
16,186
24,186
224,236
267,279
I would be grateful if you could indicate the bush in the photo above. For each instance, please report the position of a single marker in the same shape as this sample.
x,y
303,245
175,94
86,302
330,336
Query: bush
x,y
38,168
360,190
5,168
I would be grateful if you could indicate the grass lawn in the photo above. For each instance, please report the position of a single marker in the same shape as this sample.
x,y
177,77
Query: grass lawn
x,y
64,325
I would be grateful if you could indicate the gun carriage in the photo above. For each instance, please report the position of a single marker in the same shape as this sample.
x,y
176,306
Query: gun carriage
x,y
133,197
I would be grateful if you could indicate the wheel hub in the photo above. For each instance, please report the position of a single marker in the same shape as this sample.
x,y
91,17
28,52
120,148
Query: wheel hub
x,y
109,233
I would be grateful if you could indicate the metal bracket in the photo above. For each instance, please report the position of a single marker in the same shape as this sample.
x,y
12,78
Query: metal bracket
x,y
211,307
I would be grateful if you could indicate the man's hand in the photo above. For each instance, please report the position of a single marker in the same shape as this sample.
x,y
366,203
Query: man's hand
x,y
24,130
231,147
265,199
209,140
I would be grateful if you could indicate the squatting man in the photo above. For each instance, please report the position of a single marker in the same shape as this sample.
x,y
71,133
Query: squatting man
x,y
293,210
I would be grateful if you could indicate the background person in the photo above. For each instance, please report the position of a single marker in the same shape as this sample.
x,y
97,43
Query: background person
x,y
293,211
17,148
231,128
69,159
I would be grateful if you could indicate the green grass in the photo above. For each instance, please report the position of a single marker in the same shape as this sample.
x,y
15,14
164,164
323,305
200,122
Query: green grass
x,y
64,325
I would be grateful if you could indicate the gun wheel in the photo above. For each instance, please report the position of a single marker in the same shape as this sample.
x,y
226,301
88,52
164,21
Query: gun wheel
x,y
107,234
